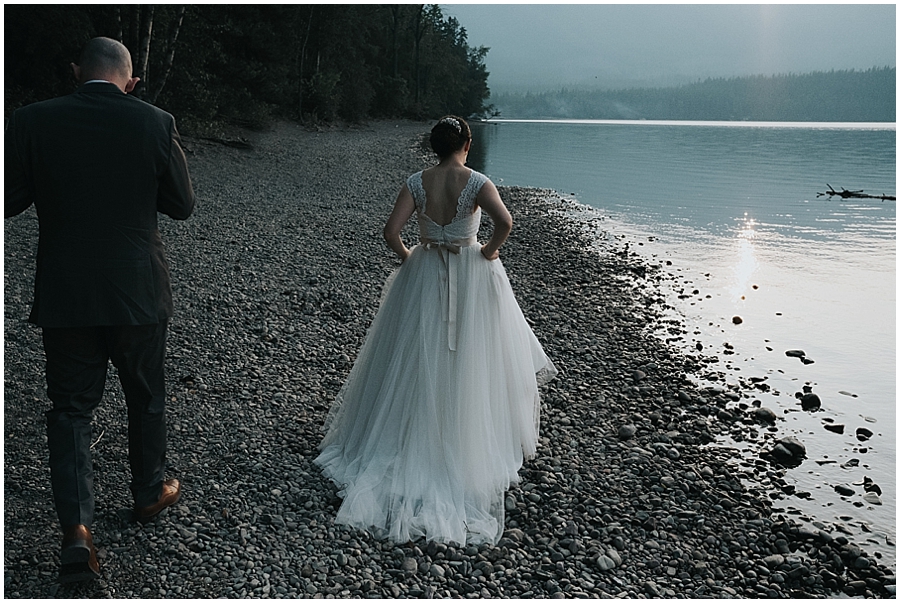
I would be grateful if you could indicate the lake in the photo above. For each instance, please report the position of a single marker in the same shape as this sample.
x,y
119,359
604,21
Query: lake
x,y
734,207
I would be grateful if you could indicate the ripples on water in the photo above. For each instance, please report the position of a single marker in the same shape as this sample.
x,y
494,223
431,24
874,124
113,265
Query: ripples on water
x,y
734,207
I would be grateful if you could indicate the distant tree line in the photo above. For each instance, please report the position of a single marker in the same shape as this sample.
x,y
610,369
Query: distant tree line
x,y
248,63
866,96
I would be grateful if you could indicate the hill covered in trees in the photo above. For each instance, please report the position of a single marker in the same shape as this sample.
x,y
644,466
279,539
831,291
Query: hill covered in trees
x,y
247,63
847,96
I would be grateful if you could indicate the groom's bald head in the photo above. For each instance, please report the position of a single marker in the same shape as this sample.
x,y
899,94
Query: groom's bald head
x,y
103,58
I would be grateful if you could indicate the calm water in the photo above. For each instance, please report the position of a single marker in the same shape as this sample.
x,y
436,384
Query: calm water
x,y
734,208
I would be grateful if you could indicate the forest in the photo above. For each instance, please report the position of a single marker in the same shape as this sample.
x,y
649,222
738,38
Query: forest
x,y
833,96
250,63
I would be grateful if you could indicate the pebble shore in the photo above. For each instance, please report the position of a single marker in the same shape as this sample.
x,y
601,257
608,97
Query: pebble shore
x,y
276,278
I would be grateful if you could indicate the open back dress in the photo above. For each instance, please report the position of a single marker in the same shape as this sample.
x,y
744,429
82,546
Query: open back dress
x,y
442,404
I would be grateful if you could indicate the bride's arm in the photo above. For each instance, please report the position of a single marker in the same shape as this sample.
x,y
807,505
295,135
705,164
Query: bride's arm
x,y
403,209
489,200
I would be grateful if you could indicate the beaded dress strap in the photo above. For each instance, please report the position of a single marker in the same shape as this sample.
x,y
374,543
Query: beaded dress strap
x,y
467,197
414,184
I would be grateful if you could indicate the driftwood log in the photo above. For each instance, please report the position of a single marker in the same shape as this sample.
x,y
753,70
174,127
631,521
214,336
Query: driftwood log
x,y
845,194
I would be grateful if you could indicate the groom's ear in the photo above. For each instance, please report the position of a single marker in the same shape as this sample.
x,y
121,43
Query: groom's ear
x,y
131,84
76,69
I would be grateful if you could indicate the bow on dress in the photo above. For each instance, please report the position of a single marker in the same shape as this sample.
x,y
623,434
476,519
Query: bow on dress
x,y
448,249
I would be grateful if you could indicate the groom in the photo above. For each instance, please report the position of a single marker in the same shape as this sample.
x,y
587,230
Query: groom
x,y
98,165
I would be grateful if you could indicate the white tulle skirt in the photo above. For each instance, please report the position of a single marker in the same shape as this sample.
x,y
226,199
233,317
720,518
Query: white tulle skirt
x,y
423,441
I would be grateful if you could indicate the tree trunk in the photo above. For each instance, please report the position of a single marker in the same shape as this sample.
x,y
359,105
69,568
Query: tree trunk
x,y
301,63
174,28
143,63
118,19
395,26
134,30
419,33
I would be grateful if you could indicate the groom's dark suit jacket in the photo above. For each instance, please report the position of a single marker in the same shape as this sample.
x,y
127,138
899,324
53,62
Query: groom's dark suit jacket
x,y
98,165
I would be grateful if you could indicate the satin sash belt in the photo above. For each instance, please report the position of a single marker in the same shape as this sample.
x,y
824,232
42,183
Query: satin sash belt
x,y
449,252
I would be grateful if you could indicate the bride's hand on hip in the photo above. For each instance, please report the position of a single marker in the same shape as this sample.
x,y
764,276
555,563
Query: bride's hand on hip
x,y
488,254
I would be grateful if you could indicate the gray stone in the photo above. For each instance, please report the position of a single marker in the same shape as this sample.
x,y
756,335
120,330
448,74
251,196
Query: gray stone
x,y
652,590
515,534
614,555
844,490
794,447
861,563
626,432
872,498
605,564
855,587
810,402
766,415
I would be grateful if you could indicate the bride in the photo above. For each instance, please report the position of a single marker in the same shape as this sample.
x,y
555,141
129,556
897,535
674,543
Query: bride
x,y
442,405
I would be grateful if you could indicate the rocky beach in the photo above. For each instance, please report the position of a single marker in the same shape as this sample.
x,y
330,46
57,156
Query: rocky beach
x,y
276,278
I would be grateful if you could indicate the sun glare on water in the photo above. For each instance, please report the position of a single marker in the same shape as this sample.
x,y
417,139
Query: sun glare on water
x,y
746,262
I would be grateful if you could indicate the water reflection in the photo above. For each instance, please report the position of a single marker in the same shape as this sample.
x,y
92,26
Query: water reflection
x,y
825,268
696,176
477,158
746,263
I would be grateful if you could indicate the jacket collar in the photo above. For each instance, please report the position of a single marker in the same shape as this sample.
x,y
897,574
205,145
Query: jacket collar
x,y
99,86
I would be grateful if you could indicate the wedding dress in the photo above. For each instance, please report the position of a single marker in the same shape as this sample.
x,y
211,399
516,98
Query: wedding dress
x,y
442,405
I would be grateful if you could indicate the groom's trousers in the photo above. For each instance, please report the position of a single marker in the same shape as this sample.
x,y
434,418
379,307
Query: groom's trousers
x,y
77,361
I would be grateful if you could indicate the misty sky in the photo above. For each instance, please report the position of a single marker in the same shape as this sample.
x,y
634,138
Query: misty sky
x,y
541,46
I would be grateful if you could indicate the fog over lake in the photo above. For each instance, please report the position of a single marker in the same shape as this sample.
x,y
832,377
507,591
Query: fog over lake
x,y
536,47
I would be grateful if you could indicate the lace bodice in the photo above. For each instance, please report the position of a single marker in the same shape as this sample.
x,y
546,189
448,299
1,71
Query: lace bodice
x,y
464,226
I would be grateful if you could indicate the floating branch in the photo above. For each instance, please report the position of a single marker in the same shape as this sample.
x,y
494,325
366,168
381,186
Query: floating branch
x,y
845,194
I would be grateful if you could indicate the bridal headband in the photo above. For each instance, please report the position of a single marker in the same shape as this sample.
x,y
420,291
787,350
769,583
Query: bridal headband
x,y
453,122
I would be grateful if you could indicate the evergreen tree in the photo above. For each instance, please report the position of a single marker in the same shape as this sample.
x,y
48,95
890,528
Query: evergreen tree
x,y
250,63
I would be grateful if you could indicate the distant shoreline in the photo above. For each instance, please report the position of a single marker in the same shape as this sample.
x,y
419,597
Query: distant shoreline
x,y
718,124
837,96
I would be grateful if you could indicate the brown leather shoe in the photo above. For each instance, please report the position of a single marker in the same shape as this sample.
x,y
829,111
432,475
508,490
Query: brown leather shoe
x,y
171,492
78,557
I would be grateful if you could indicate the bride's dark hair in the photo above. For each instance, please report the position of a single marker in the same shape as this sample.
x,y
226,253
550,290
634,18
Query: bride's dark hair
x,y
449,135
